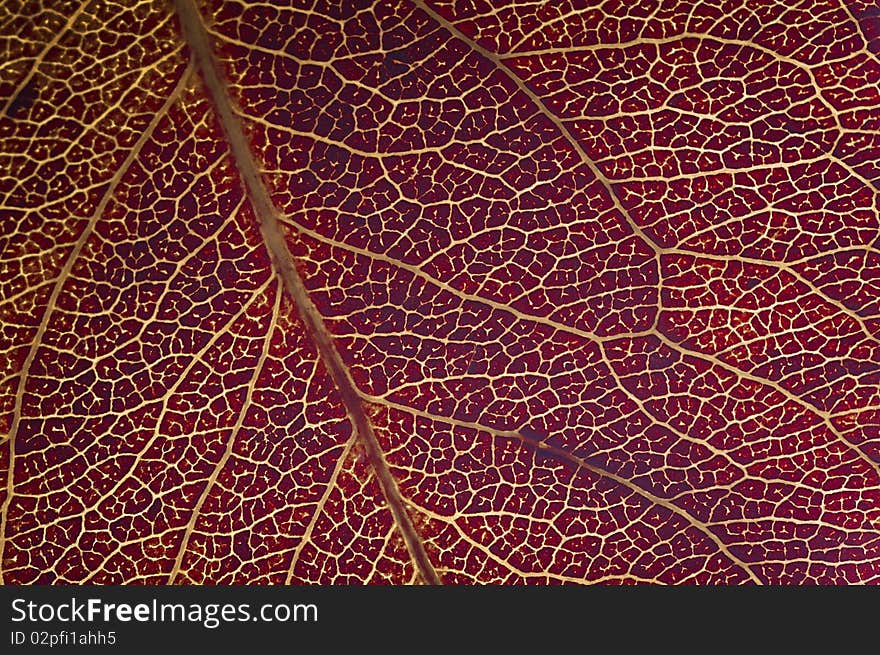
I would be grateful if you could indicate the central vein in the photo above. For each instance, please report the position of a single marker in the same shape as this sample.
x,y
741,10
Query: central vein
x,y
197,38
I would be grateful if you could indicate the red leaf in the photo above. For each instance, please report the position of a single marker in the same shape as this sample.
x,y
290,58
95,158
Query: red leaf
x,y
449,292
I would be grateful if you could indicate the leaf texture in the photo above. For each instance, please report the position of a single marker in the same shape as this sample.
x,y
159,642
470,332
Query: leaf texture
x,y
423,292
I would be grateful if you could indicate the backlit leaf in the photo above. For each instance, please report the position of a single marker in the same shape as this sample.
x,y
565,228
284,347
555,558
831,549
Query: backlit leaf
x,y
459,292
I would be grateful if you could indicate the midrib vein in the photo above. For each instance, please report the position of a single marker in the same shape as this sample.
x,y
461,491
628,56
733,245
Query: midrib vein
x,y
197,38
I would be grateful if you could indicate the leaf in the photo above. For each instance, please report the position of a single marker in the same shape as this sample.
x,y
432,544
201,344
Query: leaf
x,y
440,292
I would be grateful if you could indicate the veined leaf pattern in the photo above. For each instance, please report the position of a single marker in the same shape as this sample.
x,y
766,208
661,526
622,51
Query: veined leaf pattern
x,y
440,292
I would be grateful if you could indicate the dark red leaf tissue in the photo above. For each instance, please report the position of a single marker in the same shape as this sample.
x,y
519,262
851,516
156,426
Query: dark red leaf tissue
x,y
440,291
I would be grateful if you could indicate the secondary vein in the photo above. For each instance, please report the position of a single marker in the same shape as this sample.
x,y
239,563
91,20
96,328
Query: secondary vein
x,y
198,40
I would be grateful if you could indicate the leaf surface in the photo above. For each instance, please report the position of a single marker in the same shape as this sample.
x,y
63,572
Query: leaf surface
x,y
459,292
